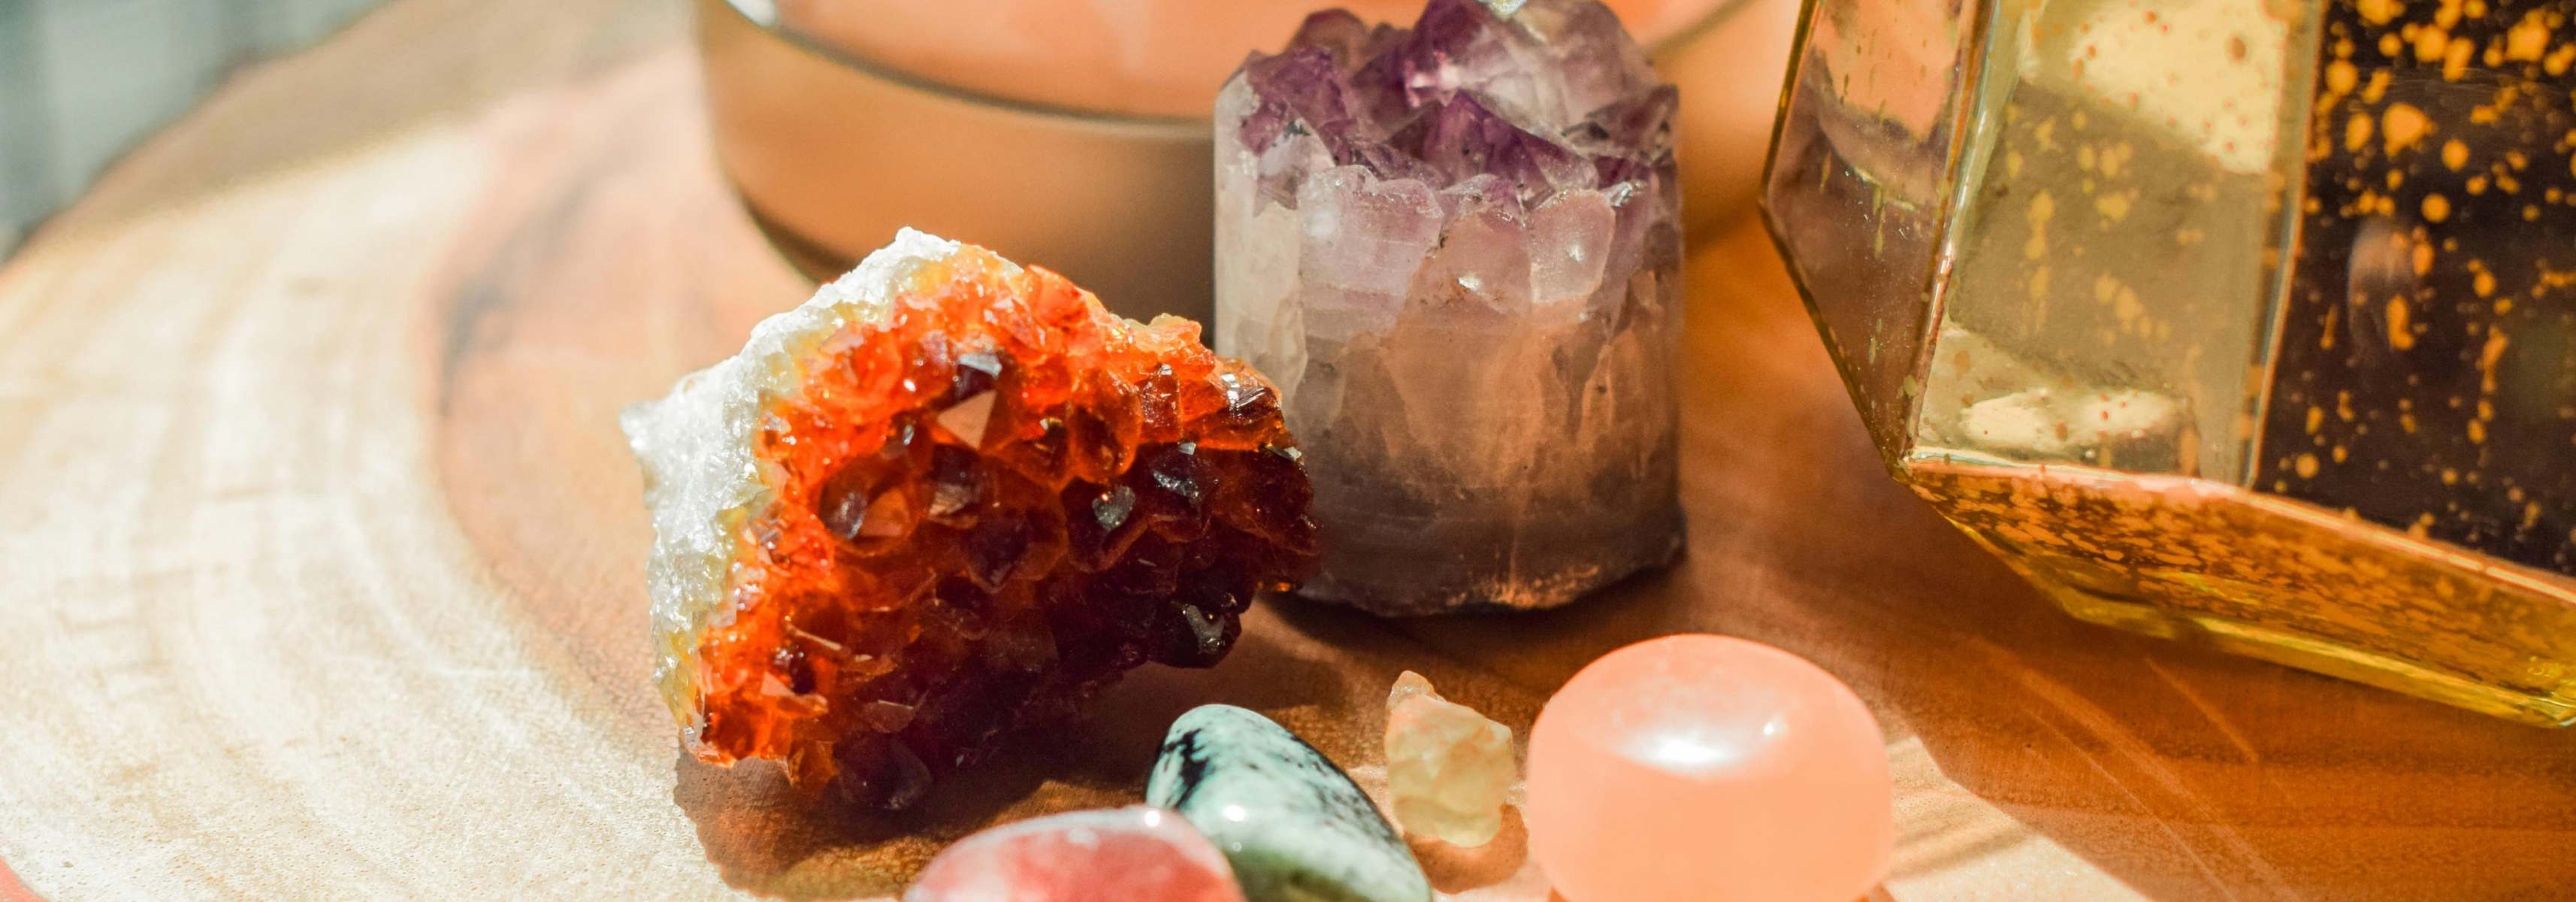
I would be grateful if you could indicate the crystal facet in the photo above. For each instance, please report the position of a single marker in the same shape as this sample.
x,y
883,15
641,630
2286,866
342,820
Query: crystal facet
x,y
1457,248
1296,827
1707,767
2243,324
1449,769
1121,855
946,499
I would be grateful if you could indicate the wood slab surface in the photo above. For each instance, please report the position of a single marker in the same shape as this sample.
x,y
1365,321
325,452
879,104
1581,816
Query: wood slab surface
x,y
321,556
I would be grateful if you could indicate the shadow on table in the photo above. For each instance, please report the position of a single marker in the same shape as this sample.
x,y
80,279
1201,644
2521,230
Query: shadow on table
x,y
767,837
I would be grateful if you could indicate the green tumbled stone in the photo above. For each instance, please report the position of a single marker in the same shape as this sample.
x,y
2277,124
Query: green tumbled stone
x,y
1295,827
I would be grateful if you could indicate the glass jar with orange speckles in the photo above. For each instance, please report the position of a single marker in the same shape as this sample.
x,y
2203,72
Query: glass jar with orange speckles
x,y
2244,322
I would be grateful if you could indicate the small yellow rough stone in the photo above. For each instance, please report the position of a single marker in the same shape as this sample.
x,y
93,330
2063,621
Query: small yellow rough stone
x,y
1449,768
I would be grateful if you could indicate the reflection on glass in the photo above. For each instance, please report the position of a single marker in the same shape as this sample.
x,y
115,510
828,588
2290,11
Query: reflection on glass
x,y
2242,322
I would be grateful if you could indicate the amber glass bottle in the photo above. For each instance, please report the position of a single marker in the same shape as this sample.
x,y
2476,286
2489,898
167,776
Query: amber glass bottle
x,y
2245,322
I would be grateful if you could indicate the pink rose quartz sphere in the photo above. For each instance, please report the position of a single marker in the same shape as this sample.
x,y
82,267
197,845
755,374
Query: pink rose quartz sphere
x,y
1120,855
1696,767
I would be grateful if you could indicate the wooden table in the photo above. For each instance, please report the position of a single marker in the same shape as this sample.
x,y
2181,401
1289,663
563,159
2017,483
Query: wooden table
x,y
323,554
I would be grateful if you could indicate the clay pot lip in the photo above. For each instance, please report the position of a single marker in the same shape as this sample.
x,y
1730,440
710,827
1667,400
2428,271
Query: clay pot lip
x,y
1168,127
1165,126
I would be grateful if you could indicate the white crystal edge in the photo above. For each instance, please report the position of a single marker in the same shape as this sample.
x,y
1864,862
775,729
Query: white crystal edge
x,y
701,480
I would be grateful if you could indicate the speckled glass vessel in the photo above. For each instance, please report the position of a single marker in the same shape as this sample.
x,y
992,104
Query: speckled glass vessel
x,y
2246,322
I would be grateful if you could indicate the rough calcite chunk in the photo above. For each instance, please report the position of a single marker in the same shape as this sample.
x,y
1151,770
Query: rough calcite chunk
x,y
1457,249
945,499
1449,769
1296,828
1122,855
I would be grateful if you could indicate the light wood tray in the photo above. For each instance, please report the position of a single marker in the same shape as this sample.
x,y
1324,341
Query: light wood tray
x,y
321,573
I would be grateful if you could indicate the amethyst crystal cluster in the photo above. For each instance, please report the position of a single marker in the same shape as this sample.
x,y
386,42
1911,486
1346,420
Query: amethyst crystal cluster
x,y
1457,249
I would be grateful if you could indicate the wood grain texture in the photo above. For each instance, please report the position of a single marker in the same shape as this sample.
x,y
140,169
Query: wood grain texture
x,y
323,562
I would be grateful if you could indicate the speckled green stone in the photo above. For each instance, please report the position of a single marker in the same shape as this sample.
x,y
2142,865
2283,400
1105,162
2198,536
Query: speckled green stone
x,y
1295,827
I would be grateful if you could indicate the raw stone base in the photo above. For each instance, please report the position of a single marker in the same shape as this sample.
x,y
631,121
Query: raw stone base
x,y
1404,570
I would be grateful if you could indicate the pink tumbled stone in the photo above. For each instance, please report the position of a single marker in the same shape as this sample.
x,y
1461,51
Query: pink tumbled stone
x,y
1116,855
1700,767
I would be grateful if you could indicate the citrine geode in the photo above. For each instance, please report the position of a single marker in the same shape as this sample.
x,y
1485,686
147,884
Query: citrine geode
x,y
1457,248
946,499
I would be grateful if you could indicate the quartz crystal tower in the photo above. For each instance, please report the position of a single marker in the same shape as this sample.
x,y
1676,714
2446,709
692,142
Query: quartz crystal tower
x,y
2248,324
1457,249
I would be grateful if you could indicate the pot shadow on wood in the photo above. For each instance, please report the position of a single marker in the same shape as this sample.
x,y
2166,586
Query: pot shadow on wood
x,y
767,837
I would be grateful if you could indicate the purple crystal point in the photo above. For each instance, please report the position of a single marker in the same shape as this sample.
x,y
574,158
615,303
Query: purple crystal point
x,y
1552,87
1456,248
1303,87
1461,139
1351,41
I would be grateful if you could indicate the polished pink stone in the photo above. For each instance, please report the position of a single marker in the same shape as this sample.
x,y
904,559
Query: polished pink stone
x,y
1700,767
1117,855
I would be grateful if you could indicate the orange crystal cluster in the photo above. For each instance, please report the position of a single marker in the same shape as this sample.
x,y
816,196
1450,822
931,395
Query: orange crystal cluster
x,y
986,505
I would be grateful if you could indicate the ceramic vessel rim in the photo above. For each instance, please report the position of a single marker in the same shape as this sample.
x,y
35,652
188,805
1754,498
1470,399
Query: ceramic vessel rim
x,y
1165,126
